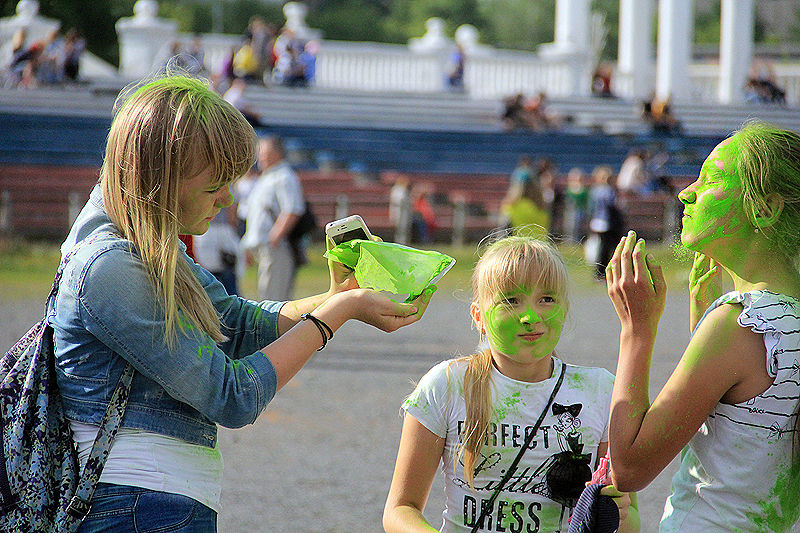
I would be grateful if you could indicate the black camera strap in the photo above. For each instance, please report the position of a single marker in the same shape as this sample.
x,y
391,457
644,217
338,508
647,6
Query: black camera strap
x,y
485,509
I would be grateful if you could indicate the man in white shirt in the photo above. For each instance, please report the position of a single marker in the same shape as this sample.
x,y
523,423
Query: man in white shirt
x,y
273,208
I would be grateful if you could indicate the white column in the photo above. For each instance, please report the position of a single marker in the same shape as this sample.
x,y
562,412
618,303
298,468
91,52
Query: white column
x,y
675,27
143,39
295,13
635,60
735,49
570,46
572,25
437,46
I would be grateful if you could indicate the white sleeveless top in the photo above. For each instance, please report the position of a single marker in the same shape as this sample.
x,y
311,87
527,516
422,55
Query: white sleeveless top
x,y
735,473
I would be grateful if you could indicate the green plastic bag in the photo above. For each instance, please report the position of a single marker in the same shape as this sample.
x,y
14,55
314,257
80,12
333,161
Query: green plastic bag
x,y
390,267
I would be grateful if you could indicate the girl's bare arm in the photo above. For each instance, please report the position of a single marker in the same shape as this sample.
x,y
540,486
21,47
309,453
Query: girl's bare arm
x,y
417,460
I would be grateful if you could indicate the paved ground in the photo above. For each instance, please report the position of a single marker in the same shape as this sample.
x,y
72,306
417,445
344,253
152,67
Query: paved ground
x,y
320,458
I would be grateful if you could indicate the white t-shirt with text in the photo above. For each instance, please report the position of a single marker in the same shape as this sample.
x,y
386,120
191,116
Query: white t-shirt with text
x,y
566,442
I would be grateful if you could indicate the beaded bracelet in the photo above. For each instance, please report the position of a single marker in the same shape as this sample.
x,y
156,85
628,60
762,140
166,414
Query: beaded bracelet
x,y
324,329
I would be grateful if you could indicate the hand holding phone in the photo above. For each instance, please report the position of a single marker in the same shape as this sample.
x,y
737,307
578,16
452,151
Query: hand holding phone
x,y
347,229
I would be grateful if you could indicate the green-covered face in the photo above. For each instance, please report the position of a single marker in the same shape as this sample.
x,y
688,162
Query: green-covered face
x,y
713,203
524,324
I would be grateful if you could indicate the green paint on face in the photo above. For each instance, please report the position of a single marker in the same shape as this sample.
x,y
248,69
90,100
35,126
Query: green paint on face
x,y
525,322
713,202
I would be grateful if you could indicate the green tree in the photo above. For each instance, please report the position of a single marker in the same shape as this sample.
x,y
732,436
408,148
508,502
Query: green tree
x,y
407,18
350,20
517,24
196,16
707,24
610,10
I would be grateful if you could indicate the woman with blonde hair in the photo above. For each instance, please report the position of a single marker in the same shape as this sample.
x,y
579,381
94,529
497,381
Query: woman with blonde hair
x,y
516,429
130,297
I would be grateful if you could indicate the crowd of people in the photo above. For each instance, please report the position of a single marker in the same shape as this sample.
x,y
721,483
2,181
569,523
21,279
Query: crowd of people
x,y
204,357
54,60
269,56
580,208
762,87
514,428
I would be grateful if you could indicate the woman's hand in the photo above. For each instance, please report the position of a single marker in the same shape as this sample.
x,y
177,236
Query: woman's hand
x,y
705,286
342,277
636,286
377,309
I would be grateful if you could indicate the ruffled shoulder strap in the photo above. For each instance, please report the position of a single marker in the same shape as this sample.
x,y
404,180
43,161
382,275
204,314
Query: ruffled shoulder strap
x,y
776,316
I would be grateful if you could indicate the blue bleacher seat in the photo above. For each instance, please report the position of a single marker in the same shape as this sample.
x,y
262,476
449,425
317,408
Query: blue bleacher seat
x,y
80,140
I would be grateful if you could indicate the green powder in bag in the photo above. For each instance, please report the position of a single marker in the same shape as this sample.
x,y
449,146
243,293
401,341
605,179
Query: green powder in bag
x,y
391,267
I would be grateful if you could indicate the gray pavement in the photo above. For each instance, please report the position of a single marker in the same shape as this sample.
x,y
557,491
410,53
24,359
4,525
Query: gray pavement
x,y
320,458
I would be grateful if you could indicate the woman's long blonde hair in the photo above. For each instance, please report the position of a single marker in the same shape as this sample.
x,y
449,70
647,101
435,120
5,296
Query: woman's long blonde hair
x,y
508,263
166,131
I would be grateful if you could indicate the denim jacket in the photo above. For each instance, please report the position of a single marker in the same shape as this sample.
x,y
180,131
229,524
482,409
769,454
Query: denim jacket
x,y
106,314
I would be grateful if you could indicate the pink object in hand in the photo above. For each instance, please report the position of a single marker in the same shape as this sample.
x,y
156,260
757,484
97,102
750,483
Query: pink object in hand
x,y
601,474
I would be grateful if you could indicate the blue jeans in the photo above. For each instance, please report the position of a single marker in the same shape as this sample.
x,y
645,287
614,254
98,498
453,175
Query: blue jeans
x,y
126,509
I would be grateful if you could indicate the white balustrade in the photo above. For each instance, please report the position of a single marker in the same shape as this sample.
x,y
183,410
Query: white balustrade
x,y
490,73
704,81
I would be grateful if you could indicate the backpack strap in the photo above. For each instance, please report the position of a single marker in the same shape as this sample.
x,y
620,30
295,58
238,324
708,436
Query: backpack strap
x,y
9,500
81,503
64,260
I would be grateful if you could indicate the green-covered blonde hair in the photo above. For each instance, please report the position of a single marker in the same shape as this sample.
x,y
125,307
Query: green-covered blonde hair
x,y
165,131
507,263
768,163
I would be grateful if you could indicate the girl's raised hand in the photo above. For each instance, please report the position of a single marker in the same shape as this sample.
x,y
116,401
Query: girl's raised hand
x,y
705,286
636,285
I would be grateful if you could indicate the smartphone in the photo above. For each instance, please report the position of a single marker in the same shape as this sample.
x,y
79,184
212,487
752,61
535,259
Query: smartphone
x,y
347,229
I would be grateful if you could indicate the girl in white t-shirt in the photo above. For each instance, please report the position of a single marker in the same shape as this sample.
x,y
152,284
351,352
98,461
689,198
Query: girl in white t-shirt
x,y
475,414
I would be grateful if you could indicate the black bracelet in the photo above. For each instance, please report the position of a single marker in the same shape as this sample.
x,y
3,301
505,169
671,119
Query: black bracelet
x,y
324,329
